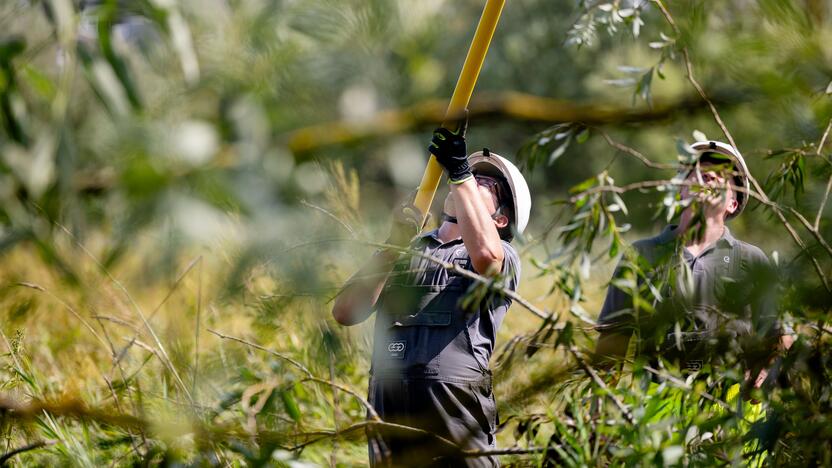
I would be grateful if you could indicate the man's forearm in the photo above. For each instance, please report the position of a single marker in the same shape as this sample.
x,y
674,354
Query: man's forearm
x,y
478,230
357,299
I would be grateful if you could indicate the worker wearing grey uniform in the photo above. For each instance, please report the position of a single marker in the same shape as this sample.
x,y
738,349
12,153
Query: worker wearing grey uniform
x,y
720,297
434,332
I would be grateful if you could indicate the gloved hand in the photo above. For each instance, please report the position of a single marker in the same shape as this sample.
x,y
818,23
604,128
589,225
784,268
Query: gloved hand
x,y
451,152
407,222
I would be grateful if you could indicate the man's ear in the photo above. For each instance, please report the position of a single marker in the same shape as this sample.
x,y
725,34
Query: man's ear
x,y
732,206
502,221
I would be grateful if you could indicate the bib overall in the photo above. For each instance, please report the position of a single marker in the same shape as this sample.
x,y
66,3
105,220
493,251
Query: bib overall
x,y
432,343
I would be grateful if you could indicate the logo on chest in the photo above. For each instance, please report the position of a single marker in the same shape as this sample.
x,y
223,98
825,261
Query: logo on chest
x,y
396,349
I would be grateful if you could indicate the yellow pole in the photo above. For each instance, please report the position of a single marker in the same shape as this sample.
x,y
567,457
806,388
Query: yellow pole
x,y
462,94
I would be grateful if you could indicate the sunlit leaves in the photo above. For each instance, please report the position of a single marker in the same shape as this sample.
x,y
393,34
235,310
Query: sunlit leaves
x,y
549,145
610,16
790,175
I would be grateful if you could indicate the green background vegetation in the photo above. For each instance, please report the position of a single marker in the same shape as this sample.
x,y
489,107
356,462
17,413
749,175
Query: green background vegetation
x,y
228,169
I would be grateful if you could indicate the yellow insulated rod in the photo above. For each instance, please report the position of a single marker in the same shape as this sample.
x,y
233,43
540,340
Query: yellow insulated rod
x,y
462,94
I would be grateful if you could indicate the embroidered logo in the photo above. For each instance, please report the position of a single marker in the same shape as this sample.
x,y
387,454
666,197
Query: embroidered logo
x,y
396,349
694,365
726,259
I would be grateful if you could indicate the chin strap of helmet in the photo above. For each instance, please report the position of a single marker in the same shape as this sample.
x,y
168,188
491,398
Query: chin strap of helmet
x,y
452,219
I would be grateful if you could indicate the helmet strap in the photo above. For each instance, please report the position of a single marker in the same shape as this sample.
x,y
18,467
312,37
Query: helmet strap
x,y
452,219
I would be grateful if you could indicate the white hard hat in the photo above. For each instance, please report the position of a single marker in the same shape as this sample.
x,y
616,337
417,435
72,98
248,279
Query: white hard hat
x,y
487,163
741,178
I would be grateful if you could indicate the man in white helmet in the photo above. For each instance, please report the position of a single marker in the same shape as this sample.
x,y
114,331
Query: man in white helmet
x,y
717,298
433,337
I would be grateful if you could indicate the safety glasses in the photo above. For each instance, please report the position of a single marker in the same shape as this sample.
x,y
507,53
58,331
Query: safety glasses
x,y
495,186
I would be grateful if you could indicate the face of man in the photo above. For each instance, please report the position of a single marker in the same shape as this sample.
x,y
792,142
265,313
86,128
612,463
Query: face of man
x,y
488,188
711,187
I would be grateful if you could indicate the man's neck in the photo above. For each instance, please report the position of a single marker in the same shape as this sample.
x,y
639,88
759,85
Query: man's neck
x,y
700,239
448,231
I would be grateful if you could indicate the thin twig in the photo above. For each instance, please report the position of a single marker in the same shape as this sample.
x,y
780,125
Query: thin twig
x,y
196,334
689,68
26,448
329,214
753,193
170,292
692,79
309,376
635,153
812,230
488,282
828,183
163,355
599,382
66,305
333,460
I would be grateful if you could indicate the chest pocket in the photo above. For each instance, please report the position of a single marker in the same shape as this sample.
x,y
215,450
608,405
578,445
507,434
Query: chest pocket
x,y
417,305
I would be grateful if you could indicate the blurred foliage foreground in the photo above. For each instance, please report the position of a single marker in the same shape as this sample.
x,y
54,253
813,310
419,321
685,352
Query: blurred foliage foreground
x,y
179,203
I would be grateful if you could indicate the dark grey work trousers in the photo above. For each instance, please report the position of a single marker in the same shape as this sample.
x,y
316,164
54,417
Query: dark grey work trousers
x,y
463,412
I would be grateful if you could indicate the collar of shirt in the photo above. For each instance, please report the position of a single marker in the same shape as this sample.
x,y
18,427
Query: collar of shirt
x,y
434,236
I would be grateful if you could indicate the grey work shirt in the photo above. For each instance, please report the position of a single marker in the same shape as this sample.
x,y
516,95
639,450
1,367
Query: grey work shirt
x,y
726,288
432,320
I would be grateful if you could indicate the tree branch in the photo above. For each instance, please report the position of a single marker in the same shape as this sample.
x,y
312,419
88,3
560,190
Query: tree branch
x,y
26,448
307,373
507,105
761,197
828,183
777,211
599,382
635,153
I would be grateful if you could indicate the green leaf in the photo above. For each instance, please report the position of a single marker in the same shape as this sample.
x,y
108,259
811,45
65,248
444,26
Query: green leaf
x,y
614,246
558,152
565,335
583,186
10,47
643,87
290,404
582,136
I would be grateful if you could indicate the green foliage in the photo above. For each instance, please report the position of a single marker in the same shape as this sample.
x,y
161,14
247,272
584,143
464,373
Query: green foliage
x,y
149,194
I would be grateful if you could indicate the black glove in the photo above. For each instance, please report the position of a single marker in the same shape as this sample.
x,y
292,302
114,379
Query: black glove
x,y
450,151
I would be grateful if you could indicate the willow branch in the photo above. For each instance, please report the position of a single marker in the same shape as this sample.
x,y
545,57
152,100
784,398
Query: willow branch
x,y
506,105
756,194
309,376
26,448
599,382
777,211
691,78
488,282
635,153
828,183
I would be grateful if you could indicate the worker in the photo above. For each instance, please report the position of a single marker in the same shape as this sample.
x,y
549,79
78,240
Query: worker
x,y
720,291
434,336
